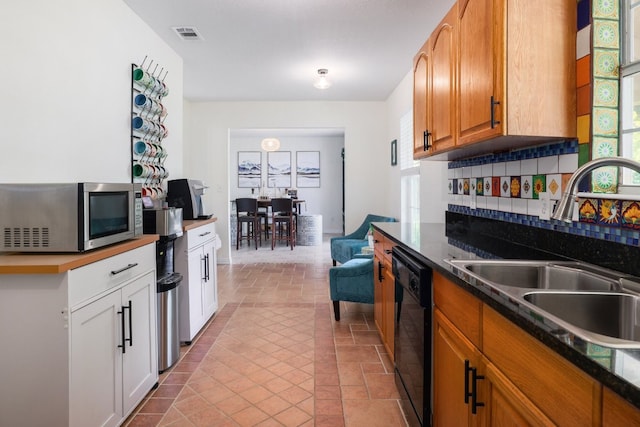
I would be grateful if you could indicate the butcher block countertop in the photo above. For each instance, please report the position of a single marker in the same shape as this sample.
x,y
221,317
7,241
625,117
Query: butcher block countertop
x,y
189,224
55,263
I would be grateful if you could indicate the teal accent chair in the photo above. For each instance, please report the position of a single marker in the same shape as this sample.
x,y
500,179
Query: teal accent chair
x,y
343,248
351,281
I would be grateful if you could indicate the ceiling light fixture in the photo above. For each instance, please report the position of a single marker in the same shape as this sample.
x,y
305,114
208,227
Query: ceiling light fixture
x,y
321,81
270,144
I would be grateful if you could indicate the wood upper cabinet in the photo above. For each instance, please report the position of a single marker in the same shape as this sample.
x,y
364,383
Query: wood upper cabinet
x,y
516,69
421,102
443,96
434,102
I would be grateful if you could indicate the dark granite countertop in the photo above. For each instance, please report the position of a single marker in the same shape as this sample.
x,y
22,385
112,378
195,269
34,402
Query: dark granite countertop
x,y
617,369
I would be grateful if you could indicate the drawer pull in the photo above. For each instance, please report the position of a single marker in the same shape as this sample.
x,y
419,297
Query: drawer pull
x,y
204,234
128,267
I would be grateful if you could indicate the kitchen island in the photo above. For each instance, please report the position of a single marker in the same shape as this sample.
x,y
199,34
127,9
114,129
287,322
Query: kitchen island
x,y
613,369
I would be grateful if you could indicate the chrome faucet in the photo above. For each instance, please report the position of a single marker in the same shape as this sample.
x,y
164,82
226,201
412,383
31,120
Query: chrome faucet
x,y
564,209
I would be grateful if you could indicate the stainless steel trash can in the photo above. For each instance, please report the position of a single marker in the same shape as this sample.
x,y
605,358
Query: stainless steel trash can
x,y
167,321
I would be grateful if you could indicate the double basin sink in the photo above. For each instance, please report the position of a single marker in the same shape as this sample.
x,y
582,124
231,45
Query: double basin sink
x,y
594,304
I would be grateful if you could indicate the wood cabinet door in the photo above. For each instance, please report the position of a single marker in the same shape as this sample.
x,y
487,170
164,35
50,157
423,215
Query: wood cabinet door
x,y
443,77
378,303
389,311
618,412
95,390
421,102
450,352
209,284
480,73
506,405
140,361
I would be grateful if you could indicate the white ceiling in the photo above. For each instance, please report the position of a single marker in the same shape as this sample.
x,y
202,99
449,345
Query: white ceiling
x,y
270,50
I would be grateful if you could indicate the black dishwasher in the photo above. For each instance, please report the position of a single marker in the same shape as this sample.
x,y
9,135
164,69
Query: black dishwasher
x,y
413,336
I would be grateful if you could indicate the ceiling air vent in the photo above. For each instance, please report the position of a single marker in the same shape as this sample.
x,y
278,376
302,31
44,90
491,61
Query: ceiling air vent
x,y
187,33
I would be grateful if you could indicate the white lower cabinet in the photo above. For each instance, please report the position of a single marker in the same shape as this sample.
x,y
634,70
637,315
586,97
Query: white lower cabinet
x,y
195,258
81,350
113,354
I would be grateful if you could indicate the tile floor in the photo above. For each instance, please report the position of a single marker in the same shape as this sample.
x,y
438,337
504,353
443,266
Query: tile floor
x,y
273,355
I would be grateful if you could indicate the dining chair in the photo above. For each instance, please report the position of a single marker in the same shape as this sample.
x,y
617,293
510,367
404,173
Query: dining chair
x,y
247,213
283,218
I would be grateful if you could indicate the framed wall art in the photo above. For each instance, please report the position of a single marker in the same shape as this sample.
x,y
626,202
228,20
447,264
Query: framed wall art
x,y
308,169
279,169
249,169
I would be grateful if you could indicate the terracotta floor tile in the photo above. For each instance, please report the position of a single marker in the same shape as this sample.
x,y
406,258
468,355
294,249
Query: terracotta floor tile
x,y
292,417
274,356
217,394
256,394
372,413
156,406
233,404
168,390
269,422
328,392
273,405
208,417
350,373
328,407
250,416
294,394
192,405
382,386
145,420
350,392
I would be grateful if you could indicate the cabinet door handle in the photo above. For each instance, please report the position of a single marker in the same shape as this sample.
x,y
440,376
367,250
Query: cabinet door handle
x,y
380,267
467,393
203,271
387,251
130,308
426,136
206,268
494,122
128,267
474,390
124,349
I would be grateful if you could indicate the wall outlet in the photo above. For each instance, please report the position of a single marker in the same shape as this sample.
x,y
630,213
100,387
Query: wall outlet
x,y
546,206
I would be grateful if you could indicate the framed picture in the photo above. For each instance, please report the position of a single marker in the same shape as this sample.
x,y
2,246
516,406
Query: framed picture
x,y
308,169
394,152
249,169
279,169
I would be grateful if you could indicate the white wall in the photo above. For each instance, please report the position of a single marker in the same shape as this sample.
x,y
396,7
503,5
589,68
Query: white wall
x,y
207,155
325,200
433,174
66,87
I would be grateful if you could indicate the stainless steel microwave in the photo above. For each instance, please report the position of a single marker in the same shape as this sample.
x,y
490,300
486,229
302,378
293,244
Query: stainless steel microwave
x,y
68,217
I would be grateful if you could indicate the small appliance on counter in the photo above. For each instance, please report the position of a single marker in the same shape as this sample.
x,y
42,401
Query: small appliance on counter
x,y
68,217
187,194
168,224
165,222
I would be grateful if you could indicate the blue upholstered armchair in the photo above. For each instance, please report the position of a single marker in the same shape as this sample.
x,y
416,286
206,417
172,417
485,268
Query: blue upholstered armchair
x,y
343,248
351,281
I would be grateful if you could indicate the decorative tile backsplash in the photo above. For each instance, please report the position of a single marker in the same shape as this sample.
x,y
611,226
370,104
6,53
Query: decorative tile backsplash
x,y
507,186
513,181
